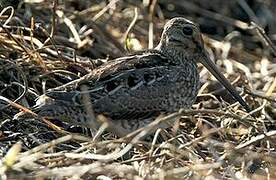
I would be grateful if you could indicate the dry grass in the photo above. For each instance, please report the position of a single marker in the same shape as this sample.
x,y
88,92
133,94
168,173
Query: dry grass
x,y
46,45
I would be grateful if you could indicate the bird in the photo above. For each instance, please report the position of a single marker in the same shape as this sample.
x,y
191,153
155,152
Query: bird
x,y
134,90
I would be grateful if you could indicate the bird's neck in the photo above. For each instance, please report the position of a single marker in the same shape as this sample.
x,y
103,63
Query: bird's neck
x,y
179,57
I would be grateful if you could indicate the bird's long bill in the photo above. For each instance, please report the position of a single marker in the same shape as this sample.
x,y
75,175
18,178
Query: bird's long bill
x,y
207,62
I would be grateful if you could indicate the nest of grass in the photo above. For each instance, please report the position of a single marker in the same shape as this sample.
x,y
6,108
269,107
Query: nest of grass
x,y
46,45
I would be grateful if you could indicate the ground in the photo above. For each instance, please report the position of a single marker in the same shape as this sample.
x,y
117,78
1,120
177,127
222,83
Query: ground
x,y
46,44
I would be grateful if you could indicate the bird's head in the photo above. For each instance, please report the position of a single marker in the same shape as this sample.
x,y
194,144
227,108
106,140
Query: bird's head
x,y
182,38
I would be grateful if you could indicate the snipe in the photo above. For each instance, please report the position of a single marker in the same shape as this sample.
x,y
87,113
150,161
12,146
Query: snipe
x,y
133,90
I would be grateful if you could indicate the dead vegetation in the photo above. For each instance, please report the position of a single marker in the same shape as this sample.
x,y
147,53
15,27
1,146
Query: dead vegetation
x,y
48,44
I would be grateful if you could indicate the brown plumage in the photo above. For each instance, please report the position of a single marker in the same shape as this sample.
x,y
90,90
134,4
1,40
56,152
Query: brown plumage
x,y
133,90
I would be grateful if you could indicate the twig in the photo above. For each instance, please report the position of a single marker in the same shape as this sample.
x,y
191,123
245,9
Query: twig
x,y
151,12
25,83
248,10
26,110
53,27
86,101
70,25
205,135
256,139
99,14
131,25
260,95
44,147
10,16
264,38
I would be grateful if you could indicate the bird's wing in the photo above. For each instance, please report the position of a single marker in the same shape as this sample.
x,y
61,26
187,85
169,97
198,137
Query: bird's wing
x,y
129,87
113,70
141,85
140,60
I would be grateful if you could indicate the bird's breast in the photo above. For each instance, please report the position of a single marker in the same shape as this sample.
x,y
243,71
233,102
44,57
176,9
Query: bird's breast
x,y
184,87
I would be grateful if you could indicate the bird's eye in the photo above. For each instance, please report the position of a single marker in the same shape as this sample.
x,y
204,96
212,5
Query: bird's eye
x,y
187,31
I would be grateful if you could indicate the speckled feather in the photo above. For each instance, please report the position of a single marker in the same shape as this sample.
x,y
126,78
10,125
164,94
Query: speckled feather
x,y
133,90
138,87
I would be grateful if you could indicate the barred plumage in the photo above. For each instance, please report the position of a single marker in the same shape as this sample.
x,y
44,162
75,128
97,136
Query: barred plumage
x,y
133,90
